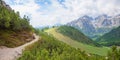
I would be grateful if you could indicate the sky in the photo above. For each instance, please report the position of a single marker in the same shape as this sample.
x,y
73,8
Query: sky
x,y
53,12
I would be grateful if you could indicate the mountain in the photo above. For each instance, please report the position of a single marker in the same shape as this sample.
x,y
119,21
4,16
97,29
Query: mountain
x,y
75,34
96,27
107,21
84,24
14,30
110,38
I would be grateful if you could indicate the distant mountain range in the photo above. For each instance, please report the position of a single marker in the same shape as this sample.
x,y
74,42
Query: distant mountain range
x,y
96,27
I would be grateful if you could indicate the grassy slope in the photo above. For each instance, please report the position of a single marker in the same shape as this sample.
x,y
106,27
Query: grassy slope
x,y
110,38
49,48
13,39
90,49
75,34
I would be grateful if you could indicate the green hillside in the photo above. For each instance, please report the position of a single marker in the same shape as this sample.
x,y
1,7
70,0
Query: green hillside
x,y
74,34
49,48
14,30
88,48
110,38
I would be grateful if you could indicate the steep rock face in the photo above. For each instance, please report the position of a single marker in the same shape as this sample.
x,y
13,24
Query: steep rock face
x,y
107,21
116,20
102,21
2,3
97,26
84,24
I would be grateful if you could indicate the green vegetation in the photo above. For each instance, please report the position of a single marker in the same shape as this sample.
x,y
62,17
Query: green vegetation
x,y
110,38
99,32
11,20
84,47
114,54
14,30
74,34
13,39
49,48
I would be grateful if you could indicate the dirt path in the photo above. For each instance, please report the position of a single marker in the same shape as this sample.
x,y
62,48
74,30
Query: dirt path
x,y
14,53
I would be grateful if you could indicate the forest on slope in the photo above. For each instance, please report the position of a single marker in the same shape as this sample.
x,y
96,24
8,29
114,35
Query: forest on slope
x,y
110,38
14,30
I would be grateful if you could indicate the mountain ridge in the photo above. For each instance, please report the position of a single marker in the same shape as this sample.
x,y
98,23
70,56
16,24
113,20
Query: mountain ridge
x,y
95,27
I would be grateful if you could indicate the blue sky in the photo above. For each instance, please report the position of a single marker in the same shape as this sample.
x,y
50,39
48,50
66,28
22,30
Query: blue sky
x,y
50,12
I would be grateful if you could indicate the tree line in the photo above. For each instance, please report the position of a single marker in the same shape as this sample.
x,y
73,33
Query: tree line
x,y
9,19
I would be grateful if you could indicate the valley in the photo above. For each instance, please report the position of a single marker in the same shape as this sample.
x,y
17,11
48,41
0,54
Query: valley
x,y
110,38
88,48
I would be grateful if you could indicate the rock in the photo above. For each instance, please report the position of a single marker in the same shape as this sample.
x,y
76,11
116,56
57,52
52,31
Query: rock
x,y
2,3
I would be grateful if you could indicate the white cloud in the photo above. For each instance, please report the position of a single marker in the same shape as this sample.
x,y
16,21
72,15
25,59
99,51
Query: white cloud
x,y
50,14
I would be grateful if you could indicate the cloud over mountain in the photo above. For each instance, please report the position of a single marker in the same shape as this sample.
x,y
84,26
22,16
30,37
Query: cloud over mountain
x,y
50,12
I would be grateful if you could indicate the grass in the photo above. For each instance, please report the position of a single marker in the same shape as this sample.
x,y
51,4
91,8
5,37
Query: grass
x,y
10,38
88,48
75,35
49,48
111,38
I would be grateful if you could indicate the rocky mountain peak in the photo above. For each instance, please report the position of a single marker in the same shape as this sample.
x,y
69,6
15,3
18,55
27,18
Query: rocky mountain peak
x,y
87,17
99,25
